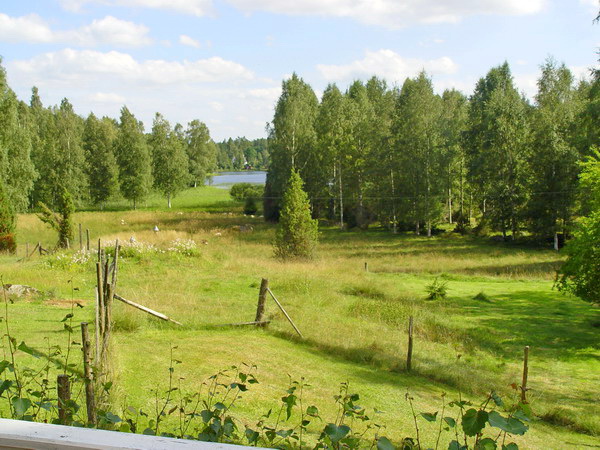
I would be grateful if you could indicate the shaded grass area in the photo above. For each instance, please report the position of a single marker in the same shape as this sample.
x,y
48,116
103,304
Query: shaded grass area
x,y
500,298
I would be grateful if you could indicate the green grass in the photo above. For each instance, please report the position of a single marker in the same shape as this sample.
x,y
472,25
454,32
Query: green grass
x,y
354,322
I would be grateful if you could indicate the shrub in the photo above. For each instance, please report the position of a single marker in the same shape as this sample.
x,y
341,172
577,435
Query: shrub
x,y
250,207
243,191
62,221
437,290
298,232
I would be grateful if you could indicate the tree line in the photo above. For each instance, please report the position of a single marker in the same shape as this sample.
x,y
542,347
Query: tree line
x,y
47,151
242,153
411,159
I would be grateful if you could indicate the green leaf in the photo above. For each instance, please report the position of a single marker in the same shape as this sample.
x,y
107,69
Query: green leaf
x,y
6,384
125,428
30,351
220,406
112,418
336,433
450,421
473,421
3,365
290,401
486,444
384,443
206,415
67,317
510,425
251,436
497,400
430,417
21,405
312,411
511,446
454,445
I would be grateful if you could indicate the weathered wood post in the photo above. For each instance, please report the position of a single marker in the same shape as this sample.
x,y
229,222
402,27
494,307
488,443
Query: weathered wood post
x,y
68,243
410,345
80,238
366,266
525,374
262,297
90,401
39,245
64,395
87,236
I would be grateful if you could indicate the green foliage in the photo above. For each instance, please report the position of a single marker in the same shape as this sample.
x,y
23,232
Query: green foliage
x,y
298,232
250,206
7,222
169,160
201,151
243,191
580,274
133,158
62,220
437,290
98,142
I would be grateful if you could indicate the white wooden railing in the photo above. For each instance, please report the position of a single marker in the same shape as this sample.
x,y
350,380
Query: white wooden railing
x,y
17,434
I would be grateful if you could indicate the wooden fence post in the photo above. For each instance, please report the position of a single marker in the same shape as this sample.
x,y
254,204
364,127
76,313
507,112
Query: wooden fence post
x,y
40,248
88,377
87,236
26,249
80,238
64,395
366,266
410,345
262,297
525,374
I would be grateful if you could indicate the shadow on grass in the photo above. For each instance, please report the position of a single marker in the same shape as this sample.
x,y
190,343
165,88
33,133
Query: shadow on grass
x,y
554,328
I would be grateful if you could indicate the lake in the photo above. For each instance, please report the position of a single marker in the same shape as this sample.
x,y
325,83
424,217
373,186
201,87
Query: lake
x,y
224,180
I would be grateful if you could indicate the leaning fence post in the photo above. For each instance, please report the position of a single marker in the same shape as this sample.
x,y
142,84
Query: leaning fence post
x,y
262,297
410,345
80,238
525,374
88,377
39,248
64,396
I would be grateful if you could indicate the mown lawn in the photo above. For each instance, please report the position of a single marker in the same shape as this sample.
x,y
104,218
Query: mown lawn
x,y
354,321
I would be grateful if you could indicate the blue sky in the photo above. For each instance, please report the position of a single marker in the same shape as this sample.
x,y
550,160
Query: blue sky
x,y
222,62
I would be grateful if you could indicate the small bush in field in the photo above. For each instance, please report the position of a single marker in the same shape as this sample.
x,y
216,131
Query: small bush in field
x,y
437,290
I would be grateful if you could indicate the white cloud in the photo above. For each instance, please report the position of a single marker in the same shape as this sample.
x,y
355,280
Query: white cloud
x,y
71,64
187,40
394,13
192,7
109,30
386,64
211,89
107,97
30,28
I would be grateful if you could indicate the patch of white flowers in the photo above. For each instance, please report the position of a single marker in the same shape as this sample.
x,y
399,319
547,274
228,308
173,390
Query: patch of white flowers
x,y
186,247
68,261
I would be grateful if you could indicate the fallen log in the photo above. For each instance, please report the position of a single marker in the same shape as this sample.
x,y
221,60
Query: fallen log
x,y
146,309
241,324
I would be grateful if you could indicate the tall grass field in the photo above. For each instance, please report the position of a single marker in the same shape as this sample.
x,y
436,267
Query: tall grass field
x,y
500,298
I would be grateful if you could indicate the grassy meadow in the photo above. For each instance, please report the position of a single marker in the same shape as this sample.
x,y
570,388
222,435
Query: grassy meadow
x,y
354,322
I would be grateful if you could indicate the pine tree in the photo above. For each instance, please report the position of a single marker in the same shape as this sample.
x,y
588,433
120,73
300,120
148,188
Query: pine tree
x,y
297,235
7,222
133,158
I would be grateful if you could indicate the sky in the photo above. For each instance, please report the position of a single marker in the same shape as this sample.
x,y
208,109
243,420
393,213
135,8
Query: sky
x,y
223,61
